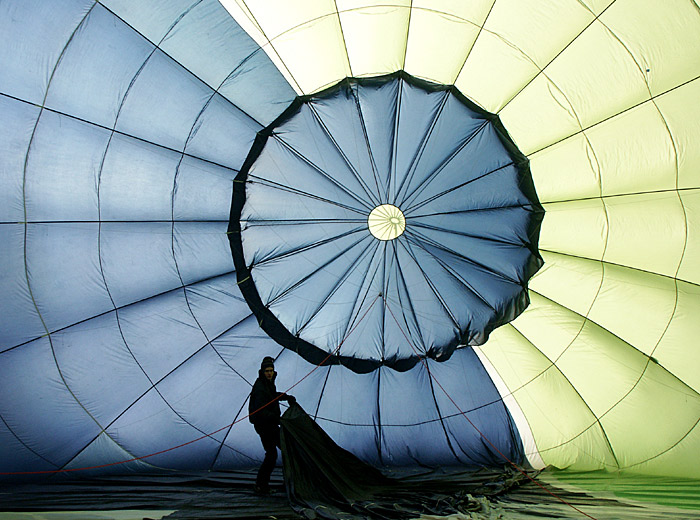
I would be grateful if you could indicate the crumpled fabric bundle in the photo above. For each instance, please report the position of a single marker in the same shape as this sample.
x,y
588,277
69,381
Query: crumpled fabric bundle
x,y
324,480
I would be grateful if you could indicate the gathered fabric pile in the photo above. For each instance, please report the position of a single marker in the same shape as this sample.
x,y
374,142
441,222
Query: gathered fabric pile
x,y
324,480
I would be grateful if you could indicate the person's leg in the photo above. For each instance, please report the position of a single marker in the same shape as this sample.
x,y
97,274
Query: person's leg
x,y
270,440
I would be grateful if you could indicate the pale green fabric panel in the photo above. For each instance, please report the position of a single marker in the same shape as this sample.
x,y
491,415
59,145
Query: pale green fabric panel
x,y
635,306
580,179
658,413
634,152
506,56
576,227
644,28
690,265
574,92
681,112
368,29
566,432
673,350
302,38
600,366
647,232
429,57
571,281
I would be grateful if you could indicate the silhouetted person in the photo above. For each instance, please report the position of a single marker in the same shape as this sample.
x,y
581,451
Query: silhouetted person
x,y
264,410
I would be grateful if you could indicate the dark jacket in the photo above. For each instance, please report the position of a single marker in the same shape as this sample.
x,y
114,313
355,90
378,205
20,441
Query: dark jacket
x,y
264,392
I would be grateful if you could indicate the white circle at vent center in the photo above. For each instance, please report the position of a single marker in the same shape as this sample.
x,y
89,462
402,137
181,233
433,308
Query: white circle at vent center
x,y
386,222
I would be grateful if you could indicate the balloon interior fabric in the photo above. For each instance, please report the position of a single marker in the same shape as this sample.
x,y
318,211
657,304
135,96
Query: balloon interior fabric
x,y
451,266
465,231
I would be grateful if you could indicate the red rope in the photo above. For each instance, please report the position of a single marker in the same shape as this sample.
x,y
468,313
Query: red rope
x,y
425,364
50,471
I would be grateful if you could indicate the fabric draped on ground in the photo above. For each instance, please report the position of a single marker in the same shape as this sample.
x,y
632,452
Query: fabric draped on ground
x,y
324,480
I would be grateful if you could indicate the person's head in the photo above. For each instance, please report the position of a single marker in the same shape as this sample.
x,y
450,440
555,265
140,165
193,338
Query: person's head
x,y
267,368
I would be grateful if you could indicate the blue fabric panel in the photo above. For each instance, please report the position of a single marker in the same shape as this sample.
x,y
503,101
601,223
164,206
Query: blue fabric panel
x,y
208,42
19,319
17,456
411,430
163,103
134,431
63,168
418,109
188,390
349,412
242,346
41,411
137,260
342,121
313,145
179,335
34,34
118,376
486,224
201,250
18,121
137,181
318,270
291,167
203,191
242,88
465,180
378,107
491,430
268,202
267,245
216,305
153,19
95,71
222,134
103,450
63,265
452,130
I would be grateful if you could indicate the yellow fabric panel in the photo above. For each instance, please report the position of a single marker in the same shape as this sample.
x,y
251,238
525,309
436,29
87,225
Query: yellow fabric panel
x,y
596,6
493,71
372,28
474,11
644,27
539,116
647,232
634,305
506,56
565,430
429,57
326,65
577,228
579,91
600,366
680,459
690,265
572,282
677,350
276,17
681,111
550,327
567,170
634,151
656,414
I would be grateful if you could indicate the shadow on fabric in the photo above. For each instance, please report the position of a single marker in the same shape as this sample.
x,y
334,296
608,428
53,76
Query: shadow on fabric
x,y
325,481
